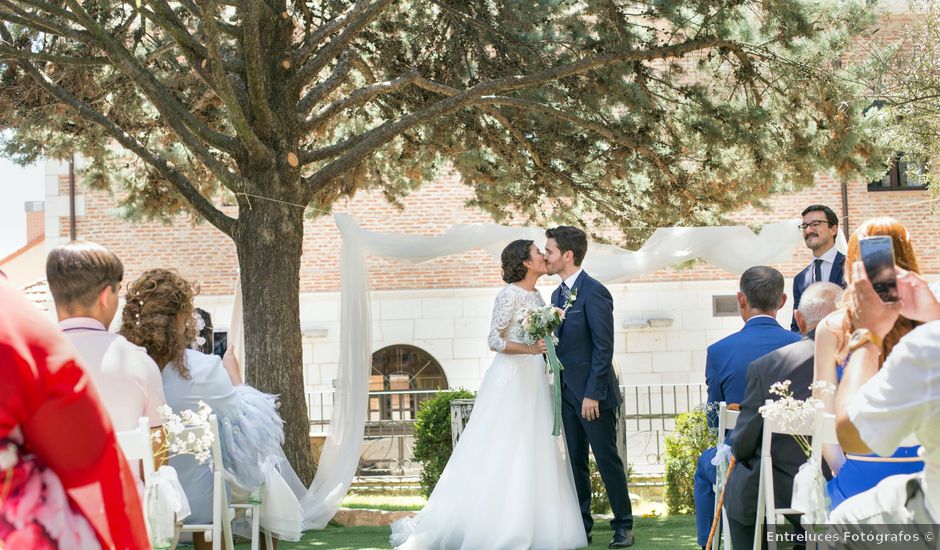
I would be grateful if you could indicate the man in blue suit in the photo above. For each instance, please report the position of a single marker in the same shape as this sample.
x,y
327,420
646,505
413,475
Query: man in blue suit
x,y
590,391
820,227
760,296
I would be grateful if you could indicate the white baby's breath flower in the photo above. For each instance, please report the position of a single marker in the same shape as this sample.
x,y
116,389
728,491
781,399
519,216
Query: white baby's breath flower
x,y
187,432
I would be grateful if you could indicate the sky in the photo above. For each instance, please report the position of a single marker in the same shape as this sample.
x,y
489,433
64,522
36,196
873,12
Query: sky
x,y
17,185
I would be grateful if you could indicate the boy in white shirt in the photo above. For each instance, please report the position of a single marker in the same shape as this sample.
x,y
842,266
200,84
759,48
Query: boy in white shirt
x,y
84,279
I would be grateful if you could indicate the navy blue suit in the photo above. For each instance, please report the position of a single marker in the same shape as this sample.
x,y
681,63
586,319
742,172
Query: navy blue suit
x,y
586,350
726,377
804,278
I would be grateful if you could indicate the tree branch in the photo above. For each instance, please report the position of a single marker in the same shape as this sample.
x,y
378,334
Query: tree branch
x,y
7,52
311,41
166,19
443,89
310,69
323,89
379,136
358,97
611,135
163,100
22,17
202,205
242,127
328,151
255,69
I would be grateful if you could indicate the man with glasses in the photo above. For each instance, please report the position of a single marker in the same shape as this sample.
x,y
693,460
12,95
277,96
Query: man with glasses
x,y
820,227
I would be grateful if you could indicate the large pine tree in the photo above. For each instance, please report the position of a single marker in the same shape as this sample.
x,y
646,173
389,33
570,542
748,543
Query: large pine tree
x,y
636,114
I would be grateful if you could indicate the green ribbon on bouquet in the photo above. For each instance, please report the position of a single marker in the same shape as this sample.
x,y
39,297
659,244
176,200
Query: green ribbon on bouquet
x,y
555,364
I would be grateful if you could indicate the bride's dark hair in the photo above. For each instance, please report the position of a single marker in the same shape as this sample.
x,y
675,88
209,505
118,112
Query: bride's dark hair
x,y
513,257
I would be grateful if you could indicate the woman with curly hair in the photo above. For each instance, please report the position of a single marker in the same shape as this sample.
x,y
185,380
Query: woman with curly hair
x,y
159,316
858,473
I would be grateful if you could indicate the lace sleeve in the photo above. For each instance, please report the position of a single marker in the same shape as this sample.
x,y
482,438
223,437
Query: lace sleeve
x,y
502,314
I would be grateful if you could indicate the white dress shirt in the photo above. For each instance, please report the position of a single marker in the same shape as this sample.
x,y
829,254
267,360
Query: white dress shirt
x,y
569,282
825,268
903,399
127,379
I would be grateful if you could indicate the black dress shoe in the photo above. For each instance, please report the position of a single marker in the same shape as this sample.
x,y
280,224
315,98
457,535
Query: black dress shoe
x,y
623,538
590,538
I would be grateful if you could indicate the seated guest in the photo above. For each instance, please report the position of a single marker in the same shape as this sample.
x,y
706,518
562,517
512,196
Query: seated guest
x,y
820,227
67,484
759,298
857,473
84,279
794,363
878,407
159,317
205,337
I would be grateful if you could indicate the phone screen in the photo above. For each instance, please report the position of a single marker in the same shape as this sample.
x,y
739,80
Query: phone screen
x,y
878,258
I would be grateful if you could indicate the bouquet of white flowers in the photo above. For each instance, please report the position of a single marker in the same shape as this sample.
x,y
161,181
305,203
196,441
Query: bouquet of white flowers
x,y
795,415
164,500
540,324
186,433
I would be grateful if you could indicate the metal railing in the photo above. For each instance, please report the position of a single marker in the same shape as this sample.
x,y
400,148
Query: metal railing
x,y
648,415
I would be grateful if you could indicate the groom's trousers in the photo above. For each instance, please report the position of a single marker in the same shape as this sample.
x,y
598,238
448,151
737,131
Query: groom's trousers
x,y
601,435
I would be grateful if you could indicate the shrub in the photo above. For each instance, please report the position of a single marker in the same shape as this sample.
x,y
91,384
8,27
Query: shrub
x,y
433,437
683,448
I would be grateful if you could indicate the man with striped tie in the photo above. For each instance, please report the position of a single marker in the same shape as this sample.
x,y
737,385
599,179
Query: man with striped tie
x,y
820,227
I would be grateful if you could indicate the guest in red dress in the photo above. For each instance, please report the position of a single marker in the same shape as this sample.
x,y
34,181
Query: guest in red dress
x,y
51,418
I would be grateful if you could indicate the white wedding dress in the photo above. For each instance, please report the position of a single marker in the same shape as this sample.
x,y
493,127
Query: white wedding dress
x,y
508,484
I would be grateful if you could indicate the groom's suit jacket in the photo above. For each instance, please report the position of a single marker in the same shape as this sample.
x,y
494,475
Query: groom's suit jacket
x,y
586,344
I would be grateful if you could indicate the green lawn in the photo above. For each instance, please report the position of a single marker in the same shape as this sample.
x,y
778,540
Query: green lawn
x,y
670,533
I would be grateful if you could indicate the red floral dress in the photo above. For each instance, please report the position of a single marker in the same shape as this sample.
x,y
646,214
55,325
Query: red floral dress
x,y
68,464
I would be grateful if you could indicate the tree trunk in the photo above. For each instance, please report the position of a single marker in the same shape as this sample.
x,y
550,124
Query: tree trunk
x,y
269,242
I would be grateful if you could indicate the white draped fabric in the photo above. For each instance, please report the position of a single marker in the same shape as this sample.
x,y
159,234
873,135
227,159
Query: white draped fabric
x,y
733,249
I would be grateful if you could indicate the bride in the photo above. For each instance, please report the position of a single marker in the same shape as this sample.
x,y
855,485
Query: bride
x,y
508,484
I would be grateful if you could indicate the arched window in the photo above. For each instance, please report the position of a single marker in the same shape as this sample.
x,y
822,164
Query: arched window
x,y
397,372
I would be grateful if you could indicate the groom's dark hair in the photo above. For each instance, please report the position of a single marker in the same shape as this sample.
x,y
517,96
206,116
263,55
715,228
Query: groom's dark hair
x,y
569,238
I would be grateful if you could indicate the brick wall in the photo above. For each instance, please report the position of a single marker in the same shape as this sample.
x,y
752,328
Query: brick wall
x,y
35,221
204,254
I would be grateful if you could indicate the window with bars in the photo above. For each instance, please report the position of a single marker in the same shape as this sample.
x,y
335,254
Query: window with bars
x,y
901,176
398,371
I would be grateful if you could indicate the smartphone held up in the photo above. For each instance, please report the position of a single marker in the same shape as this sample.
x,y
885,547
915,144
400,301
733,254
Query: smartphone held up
x,y
878,258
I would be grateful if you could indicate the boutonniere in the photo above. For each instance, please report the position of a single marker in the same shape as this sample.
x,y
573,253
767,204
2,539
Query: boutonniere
x,y
572,298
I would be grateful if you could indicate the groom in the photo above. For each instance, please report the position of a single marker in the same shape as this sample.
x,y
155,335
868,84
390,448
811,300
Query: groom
x,y
590,392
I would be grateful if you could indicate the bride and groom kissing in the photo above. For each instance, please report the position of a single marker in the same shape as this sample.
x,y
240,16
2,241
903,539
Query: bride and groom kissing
x,y
510,484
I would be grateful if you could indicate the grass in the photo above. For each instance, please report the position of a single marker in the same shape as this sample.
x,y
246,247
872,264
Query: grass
x,y
393,503
669,533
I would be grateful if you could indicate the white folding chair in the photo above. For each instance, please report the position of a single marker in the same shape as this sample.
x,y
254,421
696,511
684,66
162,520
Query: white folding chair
x,y
824,433
222,510
727,419
136,445
221,528
766,503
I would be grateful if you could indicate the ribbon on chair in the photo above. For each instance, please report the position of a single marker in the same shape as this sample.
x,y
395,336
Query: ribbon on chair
x,y
165,504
